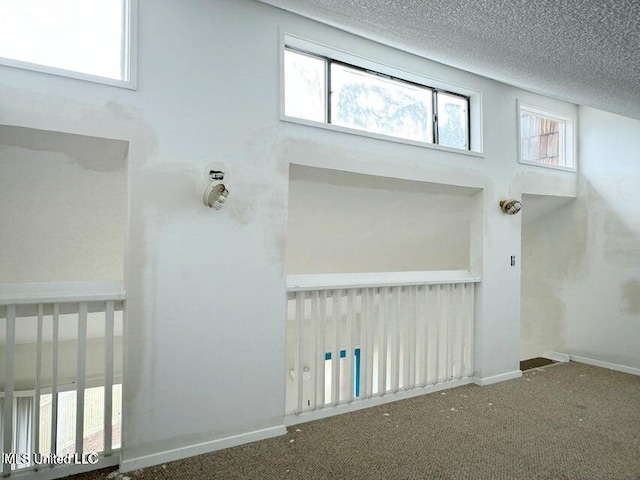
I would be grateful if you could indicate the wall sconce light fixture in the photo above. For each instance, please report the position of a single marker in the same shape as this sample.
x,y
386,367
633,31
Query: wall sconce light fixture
x,y
215,194
510,207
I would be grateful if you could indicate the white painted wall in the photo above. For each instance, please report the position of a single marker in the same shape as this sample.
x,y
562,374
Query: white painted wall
x,y
63,202
602,288
205,324
344,223
581,271
543,323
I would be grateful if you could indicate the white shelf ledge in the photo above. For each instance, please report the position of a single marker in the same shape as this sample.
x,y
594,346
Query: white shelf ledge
x,y
60,292
331,281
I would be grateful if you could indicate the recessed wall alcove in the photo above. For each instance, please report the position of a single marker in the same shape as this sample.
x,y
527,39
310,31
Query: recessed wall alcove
x,y
63,211
343,222
63,207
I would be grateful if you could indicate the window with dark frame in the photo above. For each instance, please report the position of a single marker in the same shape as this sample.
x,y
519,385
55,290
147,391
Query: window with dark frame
x,y
321,89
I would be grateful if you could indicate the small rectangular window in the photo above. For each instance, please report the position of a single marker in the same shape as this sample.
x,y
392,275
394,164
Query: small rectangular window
x,y
328,91
453,124
89,39
305,80
546,138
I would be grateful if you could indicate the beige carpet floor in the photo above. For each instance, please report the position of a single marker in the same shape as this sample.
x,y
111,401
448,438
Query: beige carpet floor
x,y
565,421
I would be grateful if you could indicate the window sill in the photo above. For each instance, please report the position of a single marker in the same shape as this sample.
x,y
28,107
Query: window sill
x,y
553,167
379,136
34,67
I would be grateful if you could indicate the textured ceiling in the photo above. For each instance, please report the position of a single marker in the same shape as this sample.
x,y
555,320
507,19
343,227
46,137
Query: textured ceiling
x,y
582,51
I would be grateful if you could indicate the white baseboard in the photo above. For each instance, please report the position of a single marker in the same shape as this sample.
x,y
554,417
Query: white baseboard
x,y
556,357
503,377
200,448
330,411
603,364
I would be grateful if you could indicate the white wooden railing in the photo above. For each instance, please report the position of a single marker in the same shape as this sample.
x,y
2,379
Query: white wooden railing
x,y
61,345
355,340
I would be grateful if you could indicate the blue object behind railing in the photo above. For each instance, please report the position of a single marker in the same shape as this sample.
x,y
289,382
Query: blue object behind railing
x,y
356,366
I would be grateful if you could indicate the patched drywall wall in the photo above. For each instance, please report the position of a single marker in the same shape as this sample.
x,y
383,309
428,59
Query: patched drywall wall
x,y
631,297
63,203
581,261
600,291
206,289
345,222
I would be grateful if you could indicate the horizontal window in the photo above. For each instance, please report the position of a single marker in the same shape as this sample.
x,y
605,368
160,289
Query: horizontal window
x,y
89,39
546,138
321,89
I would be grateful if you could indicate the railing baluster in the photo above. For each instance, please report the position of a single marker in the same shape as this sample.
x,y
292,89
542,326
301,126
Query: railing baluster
x,y
7,437
448,357
447,337
460,314
387,338
320,348
54,378
300,299
443,315
405,328
335,356
395,353
313,337
412,336
393,349
441,309
364,343
350,351
108,368
368,356
424,334
455,331
469,329
382,357
81,371
451,329
432,332
36,403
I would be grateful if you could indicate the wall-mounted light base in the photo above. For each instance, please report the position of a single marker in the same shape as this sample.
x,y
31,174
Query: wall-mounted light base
x,y
510,207
215,195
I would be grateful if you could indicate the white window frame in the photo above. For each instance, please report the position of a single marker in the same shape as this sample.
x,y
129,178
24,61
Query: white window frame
x,y
569,143
475,97
129,56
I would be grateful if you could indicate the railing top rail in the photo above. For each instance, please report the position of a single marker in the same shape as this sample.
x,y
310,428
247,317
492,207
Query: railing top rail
x,y
332,281
60,292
